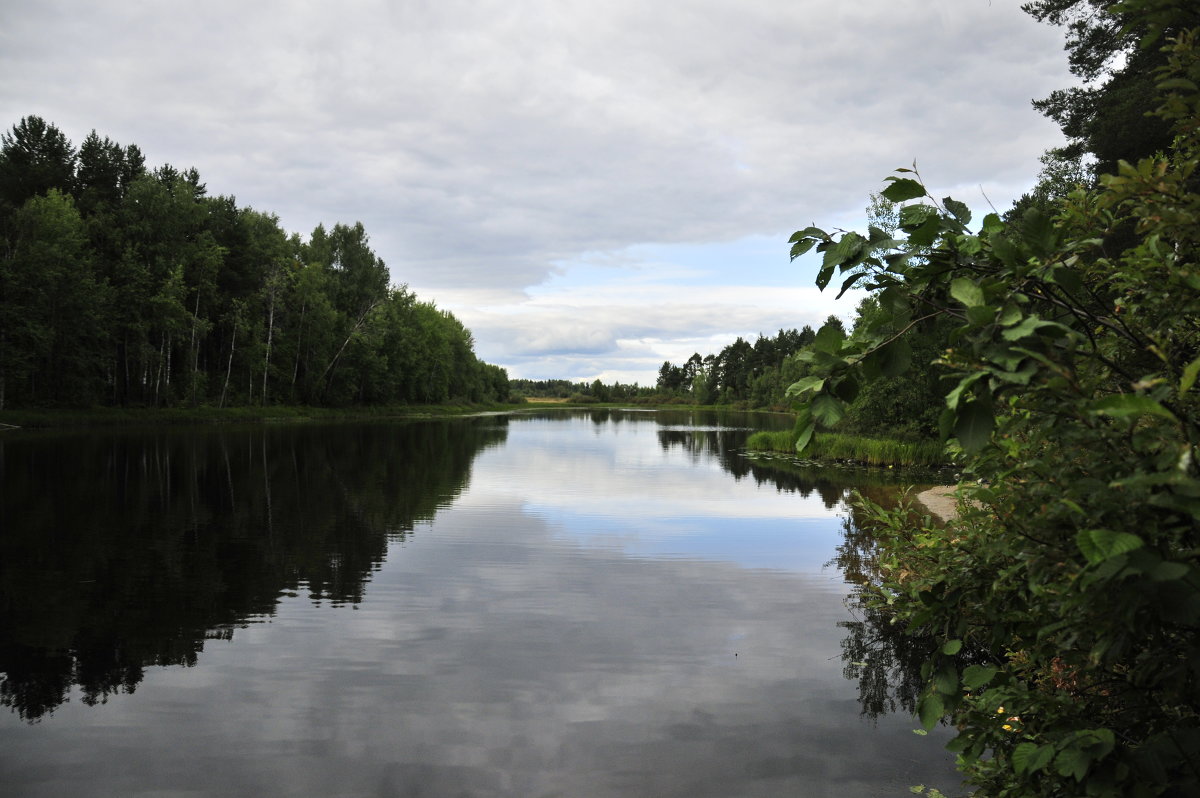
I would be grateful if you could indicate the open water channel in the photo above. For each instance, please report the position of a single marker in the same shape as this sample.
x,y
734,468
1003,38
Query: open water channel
x,y
614,603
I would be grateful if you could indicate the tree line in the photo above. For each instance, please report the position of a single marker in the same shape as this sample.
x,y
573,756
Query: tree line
x,y
756,374
128,286
902,404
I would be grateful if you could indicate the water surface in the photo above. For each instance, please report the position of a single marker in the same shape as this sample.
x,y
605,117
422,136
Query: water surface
x,y
578,604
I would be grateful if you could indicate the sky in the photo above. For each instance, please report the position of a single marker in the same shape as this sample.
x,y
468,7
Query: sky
x,y
592,186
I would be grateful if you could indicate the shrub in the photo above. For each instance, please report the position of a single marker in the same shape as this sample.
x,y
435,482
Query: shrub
x,y
1066,607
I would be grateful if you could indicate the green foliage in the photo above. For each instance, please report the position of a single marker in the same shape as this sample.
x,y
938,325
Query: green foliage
x,y
1066,601
753,374
853,448
1109,117
134,288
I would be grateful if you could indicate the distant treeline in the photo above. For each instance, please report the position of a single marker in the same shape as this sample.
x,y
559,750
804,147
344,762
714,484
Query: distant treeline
x,y
747,375
582,392
121,285
757,374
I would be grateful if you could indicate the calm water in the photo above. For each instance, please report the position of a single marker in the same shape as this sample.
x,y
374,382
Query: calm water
x,y
603,604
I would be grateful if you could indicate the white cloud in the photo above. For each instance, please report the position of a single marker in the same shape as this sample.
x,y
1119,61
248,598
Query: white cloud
x,y
487,144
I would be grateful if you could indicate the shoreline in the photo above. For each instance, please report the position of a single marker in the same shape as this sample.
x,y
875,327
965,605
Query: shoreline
x,y
60,418
940,501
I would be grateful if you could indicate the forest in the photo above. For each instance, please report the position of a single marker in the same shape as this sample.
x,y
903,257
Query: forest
x,y
122,285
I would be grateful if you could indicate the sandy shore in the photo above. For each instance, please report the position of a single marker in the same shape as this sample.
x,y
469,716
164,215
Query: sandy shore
x,y
940,501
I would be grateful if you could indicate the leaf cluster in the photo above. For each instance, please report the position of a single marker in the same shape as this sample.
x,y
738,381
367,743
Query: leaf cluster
x,y
1066,598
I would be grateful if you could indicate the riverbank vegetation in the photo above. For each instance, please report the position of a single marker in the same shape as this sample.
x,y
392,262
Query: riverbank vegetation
x,y
126,286
40,418
854,449
1058,615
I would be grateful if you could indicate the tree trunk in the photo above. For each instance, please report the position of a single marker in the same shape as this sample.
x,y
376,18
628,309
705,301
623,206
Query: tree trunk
x,y
195,350
228,367
158,372
299,347
329,369
125,364
270,334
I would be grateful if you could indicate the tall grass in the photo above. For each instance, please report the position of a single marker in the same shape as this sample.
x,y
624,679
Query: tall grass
x,y
854,448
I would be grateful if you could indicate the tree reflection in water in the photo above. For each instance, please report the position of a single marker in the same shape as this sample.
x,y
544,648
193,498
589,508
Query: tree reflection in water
x,y
879,655
120,551
883,658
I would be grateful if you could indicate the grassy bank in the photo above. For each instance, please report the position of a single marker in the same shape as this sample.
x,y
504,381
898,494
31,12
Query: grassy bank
x,y
853,448
114,416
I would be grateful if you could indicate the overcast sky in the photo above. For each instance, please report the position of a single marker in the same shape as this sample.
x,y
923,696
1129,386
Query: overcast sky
x,y
592,186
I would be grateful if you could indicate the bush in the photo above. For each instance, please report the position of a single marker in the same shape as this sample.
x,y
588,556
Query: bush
x,y
1066,606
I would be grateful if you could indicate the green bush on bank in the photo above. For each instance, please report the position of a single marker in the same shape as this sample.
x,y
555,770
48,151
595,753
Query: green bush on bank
x,y
1064,604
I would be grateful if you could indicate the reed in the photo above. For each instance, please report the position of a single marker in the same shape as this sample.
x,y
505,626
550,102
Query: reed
x,y
854,448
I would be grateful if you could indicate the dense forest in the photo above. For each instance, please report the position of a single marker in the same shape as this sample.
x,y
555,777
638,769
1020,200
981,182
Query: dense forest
x,y
1056,618
189,535
124,285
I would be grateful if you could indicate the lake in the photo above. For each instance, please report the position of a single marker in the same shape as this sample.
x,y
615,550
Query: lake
x,y
605,603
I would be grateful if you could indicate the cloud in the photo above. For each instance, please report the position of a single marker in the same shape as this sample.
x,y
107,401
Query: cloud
x,y
486,144
576,332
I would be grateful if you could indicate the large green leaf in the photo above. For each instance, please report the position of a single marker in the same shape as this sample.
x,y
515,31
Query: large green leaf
x,y
850,281
956,393
1039,231
804,385
1189,376
1098,545
1006,251
850,245
1072,762
946,679
1028,326
958,210
1030,757
805,427
976,676
828,410
896,303
966,291
926,233
824,276
979,315
829,339
930,710
912,216
808,232
1126,405
903,188
974,425
895,358
800,247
